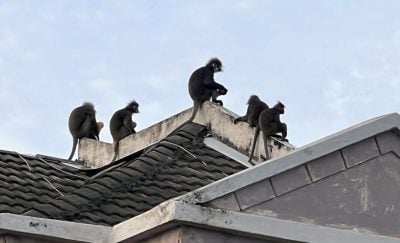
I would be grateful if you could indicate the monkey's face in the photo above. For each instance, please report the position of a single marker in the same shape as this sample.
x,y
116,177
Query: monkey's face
x,y
136,109
217,67
281,109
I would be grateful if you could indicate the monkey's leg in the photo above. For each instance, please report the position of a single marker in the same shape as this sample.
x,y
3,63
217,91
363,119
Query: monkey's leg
x,y
214,95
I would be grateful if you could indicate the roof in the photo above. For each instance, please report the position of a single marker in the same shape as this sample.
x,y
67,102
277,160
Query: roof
x,y
26,181
178,154
297,158
334,182
177,165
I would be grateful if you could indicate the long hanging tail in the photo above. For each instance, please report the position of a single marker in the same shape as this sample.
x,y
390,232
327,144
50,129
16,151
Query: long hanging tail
x,y
116,149
196,108
74,143
254,143
267,153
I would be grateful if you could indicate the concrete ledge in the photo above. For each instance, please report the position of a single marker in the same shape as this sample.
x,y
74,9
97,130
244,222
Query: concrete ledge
x,y
218,119
295,158
54,230
173,213
242,224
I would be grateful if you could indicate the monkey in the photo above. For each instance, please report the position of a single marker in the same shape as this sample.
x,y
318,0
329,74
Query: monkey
x,y
270,124
202,86
254,107
122,125
82,124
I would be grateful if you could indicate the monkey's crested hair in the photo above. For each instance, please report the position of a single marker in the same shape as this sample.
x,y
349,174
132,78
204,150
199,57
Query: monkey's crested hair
x,y
279,104
88,104
253,98
214,60
133,103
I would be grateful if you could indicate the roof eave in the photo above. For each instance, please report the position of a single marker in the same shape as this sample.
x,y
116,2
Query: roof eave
x,y
172,213
52,229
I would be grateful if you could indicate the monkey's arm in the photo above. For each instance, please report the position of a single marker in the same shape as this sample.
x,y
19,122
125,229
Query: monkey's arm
x,y
216,86
128,124
240,119
210,83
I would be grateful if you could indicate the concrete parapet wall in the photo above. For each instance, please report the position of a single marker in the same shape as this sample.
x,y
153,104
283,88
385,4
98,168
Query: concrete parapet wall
x,y
218,119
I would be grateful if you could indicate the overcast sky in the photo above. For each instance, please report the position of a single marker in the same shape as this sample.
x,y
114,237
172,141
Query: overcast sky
x,y
333,63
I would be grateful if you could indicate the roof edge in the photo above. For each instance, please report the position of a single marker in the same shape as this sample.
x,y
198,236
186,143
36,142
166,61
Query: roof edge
x,y
53,229
144,223
294,158
151,222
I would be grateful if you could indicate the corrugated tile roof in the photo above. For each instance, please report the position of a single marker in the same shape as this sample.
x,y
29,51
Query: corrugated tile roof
x,y
26,181
179,164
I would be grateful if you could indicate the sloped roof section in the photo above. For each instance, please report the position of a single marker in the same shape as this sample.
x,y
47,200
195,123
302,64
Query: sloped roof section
x,y
177,165
297,157
26,181
349,180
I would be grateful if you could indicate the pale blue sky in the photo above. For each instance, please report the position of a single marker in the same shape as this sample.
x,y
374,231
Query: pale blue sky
x,y
333,63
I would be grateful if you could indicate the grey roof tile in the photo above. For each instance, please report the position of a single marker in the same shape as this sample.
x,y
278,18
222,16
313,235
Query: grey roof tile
x,y
24,181
179,164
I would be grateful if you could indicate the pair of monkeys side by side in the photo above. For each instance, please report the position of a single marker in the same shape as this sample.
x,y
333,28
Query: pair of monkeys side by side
x,y
202,87
266,119
82,124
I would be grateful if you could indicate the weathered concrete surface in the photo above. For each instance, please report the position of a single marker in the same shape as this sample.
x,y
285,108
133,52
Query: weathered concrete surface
x,y
364,197
300,156
187,234
218,119
29,229
9,238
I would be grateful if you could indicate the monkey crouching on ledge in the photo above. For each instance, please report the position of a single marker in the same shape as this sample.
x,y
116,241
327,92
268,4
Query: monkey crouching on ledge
x,y
202,86
82,124
254,108
270,125
122,125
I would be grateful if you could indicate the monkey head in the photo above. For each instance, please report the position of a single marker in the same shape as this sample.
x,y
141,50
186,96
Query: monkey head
x,y
253,99
88,104
280,107
133,107
215,64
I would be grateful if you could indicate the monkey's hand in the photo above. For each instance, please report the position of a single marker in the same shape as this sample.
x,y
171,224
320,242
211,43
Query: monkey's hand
x,y
218,102
222,91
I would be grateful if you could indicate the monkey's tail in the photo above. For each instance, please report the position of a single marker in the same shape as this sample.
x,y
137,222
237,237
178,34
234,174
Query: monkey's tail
x,y
254,144
116,149
74,143
196,107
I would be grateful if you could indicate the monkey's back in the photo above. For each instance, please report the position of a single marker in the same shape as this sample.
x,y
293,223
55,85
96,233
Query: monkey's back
x,y
197,90
257,107
268,119
117,121
78,116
